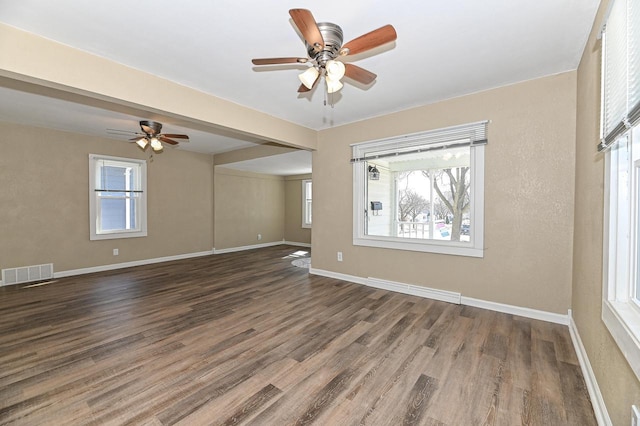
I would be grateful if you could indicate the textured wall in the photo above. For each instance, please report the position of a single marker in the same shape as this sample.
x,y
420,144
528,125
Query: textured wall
x,y
618,384
529,184
45,208
293,230
247,204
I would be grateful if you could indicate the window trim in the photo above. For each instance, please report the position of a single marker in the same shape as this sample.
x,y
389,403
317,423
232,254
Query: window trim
x,y
474,248
620,63
305,223
94,208
621,318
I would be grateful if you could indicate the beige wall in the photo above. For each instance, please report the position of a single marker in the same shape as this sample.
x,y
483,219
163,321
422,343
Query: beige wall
x,y
29,58
45,208
293,230
617,382
247,204
529,184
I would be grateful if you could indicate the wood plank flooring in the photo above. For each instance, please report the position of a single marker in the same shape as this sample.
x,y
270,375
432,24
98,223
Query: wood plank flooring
x,y
247,338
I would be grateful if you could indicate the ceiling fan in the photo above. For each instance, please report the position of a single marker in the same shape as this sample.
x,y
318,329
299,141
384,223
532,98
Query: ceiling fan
x,y
151,136
323,41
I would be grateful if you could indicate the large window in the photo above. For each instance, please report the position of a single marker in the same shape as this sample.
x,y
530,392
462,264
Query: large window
x,y
306,203
117,193
621,143
422,192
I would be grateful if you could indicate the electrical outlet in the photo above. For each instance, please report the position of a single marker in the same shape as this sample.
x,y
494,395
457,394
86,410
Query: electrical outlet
x,y
635,416
259,237
116,252
339,256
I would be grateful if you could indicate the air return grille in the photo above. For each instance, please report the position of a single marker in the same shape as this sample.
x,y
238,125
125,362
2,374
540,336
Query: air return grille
x,y
27,274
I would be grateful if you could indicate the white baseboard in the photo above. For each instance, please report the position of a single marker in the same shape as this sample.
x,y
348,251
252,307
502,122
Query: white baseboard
x,y
414,290
243,248
113,266
517,310
599,407
446,296
293,243
338,276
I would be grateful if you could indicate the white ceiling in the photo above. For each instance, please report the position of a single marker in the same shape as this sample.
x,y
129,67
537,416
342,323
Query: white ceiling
x,y
444,49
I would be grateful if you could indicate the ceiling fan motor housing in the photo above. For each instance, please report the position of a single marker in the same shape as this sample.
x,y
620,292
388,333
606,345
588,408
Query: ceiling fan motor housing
x,y
333,37
151,128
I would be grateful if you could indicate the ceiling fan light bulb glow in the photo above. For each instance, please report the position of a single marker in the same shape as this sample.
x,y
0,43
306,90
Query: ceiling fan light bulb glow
x,y
142,142
309,77
333,85
335,69
156,144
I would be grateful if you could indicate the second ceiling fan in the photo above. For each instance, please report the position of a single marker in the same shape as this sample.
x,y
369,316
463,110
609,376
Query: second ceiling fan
x,y
323,41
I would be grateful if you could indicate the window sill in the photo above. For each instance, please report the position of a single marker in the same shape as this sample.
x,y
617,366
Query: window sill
x,y
413,245
306,226
116,235
623,322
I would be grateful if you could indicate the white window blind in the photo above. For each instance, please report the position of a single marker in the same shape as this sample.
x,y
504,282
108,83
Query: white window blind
x,y
471,134
621,71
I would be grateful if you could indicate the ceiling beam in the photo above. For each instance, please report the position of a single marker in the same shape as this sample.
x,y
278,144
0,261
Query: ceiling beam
x,y
41,62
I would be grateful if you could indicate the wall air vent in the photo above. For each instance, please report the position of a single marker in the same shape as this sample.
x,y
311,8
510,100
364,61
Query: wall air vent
x,y
27,274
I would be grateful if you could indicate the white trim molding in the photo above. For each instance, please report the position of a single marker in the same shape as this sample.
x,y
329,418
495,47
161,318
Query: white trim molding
x,y
113,266
338,276
415,290
623,322
446,296
517,310
597,401
293,243
243,248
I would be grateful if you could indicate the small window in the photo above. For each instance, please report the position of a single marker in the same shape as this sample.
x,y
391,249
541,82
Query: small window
x,y
306,203
422,192
117,194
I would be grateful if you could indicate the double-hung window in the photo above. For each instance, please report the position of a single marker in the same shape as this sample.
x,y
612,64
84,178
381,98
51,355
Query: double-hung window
x,y
117,194
422,192
621,143
306,203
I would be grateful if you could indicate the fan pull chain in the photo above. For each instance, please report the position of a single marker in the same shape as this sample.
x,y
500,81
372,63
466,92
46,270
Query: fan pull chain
x,y
325,92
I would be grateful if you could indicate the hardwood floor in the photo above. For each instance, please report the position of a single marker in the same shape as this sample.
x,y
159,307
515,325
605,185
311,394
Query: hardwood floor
x,y
247,338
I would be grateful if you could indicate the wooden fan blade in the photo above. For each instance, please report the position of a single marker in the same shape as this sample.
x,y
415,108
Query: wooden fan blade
x,y
172,135
358,74
370,40
308,27
276,61
304,88
167,140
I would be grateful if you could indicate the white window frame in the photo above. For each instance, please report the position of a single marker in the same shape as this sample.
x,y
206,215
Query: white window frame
x,y
95,233
307,203
473,248
619,312
620,131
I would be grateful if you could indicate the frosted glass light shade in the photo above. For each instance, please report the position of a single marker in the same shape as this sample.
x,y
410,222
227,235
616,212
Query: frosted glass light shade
x,y
142,142
156,144
333,85
309,77
335,69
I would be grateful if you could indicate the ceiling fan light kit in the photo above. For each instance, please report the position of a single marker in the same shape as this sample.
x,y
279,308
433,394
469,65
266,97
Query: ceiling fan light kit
x,y
151,136
335,69
323,42
309,77
333,85
142,143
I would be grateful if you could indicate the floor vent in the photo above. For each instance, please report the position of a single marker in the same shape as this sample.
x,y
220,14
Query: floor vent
x,y
27,274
